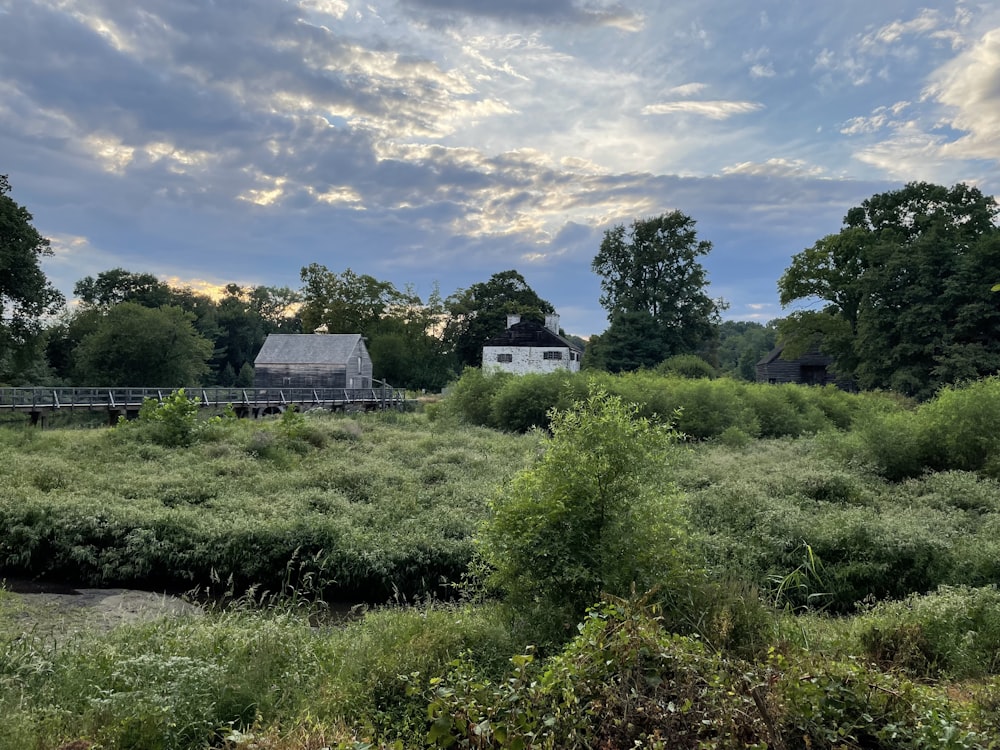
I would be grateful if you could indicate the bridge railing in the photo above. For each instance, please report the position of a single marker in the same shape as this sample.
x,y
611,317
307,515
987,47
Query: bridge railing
x,y
46,399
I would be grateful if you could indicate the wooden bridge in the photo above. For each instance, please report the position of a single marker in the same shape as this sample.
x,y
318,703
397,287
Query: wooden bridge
x,y
246,402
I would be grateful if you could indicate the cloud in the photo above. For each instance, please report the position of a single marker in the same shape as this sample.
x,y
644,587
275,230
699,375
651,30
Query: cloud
x,y
969,87
687,89
714,110
555,12
776,167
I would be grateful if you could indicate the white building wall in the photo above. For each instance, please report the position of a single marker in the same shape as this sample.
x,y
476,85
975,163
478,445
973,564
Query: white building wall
x,y
525,359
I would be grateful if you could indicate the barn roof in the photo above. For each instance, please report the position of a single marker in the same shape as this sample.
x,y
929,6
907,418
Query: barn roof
x,y
811,357
307,348
532,334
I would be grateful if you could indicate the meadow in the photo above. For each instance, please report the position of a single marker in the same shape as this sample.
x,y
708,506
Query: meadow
x,y
834,582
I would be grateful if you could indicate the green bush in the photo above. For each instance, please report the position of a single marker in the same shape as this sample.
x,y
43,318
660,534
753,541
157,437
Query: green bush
x,y
523,403
953,632
962,427
623,681
470,398
686,366
595,514
847,704
170,422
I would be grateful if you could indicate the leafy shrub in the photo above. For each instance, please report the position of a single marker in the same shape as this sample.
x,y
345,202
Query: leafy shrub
x,y
172,421
470,398
893,445
962,425
953,632
956,430
846,704
686,366
708,408
523,403
594,514
623,681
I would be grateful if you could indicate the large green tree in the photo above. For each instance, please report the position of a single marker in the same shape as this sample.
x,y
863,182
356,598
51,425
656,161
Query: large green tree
x,y
480,312
654,291
347,302
118,285
26,296
904,290
133,345
408,349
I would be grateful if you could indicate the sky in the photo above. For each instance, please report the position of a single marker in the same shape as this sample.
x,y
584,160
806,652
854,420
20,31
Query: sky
x,y
433,143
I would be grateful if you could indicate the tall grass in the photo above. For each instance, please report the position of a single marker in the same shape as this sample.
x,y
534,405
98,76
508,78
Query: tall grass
x,y
384,506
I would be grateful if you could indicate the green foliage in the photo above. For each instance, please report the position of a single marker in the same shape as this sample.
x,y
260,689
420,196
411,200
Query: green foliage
x,y
471,397
953,431
391,506
26,296
753,513
171,422
705,409
906,287
623,681
953,632
686,366
741,346
524,402
654,291
132,345
845,704
594,514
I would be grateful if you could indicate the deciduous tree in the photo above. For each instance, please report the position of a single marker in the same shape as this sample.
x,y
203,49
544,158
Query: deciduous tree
x,y
347,302
133,345
26,295
905,290
654,292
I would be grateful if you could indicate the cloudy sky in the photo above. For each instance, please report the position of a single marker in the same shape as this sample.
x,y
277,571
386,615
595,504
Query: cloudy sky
x,y
440,141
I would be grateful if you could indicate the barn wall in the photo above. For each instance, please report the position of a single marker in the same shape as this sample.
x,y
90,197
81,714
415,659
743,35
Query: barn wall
x,y
300,376
779,371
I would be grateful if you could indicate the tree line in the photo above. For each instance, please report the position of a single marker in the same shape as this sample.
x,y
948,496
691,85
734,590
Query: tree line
x,y
901,298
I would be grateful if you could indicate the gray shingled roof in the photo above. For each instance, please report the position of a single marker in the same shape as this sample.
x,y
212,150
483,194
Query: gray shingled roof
x,y
307,348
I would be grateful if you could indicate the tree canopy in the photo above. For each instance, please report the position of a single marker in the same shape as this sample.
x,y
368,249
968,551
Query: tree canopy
x,y
132,345
654,291
905,287
25,293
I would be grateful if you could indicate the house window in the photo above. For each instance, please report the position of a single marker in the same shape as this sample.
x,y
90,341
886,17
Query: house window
x,y
552,355
505,358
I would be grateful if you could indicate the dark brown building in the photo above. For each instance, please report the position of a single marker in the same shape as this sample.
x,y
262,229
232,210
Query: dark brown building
x,y
812,368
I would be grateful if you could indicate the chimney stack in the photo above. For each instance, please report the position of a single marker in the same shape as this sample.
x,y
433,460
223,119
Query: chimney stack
x,y
552,323
513,320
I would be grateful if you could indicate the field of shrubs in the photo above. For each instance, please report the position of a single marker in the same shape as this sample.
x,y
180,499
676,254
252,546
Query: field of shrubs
x,y
549,561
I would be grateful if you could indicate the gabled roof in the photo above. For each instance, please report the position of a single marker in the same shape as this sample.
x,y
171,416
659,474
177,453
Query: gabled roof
x,y
307,348
530,334
811,357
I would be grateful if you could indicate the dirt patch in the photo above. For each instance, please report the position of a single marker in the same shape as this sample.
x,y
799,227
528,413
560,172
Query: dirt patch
x,y
54,607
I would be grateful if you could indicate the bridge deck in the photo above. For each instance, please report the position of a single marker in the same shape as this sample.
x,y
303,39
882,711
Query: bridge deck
x,y
38,400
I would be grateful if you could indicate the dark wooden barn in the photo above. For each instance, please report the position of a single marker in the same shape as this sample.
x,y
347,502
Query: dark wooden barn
x,y
313,360
812,368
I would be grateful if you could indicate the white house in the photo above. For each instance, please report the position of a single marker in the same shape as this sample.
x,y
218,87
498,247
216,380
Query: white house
x,y
530,347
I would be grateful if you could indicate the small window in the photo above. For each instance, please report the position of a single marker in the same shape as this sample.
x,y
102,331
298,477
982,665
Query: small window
x,y
505,358
552,355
